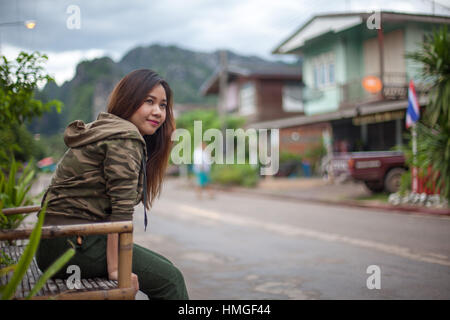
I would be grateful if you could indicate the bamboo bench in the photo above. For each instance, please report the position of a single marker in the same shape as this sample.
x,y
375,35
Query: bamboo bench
x,y
91,289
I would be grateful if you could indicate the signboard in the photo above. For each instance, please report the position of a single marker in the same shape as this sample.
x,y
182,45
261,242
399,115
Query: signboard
x,y
378,117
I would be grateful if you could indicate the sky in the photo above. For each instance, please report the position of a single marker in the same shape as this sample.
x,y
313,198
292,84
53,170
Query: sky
x,y
113,27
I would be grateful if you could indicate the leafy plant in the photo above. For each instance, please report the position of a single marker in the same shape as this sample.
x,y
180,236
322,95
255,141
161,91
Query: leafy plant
x,y
286,156
209,120
235,174
19,143
18,83
405,182
13,192
314,156
7,292
433,151
433,131
5,260
435,58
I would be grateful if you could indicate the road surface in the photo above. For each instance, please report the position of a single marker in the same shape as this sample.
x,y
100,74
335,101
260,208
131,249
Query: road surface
x,y
237,246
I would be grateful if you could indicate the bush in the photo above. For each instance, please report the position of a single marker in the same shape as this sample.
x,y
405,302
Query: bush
x,y
52,146
405,183
433,130
286,156
14,193
290,164
210,120
17,142
235,174
314,156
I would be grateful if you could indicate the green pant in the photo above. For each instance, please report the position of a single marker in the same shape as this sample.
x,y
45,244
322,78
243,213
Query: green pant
x,y
158,278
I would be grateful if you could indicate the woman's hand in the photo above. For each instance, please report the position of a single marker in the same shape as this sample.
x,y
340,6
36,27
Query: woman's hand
x,y
134,279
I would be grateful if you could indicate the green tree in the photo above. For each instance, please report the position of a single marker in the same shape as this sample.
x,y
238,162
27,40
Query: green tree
x,y
18,84
209,119
19,81
433,131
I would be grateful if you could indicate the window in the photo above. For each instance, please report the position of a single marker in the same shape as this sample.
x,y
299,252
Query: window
x,y
316,76
323,75
331,73
292,97
323,70
247,99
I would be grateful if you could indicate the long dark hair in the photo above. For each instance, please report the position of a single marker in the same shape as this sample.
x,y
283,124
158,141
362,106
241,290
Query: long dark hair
x,y
128,95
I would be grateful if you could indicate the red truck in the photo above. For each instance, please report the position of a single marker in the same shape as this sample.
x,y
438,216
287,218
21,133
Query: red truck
x,y
379,170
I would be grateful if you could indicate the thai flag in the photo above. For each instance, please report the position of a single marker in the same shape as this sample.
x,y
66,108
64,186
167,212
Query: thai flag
x,y
413,112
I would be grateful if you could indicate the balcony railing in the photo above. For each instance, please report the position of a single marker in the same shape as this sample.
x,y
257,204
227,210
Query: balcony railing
x,y
395,87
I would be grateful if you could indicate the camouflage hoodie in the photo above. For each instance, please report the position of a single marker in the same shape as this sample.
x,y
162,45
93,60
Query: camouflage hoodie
x,y
100,177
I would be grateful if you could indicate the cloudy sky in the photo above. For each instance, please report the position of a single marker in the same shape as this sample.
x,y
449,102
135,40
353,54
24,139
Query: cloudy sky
x,y
112,27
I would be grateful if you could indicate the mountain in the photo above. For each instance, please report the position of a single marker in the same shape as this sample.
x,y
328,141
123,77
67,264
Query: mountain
x,y
87,93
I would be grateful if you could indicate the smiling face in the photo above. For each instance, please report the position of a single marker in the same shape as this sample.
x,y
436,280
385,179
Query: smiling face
x,y
152,113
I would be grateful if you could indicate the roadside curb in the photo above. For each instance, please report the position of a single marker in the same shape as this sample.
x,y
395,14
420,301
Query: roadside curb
x,y
347,203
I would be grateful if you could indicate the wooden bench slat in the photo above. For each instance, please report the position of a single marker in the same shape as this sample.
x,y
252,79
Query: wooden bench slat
x,y
53,286
94,284
97,288
15,255
70,230
28,281
102,283
36,273
61,285
86,284
112,284
20,210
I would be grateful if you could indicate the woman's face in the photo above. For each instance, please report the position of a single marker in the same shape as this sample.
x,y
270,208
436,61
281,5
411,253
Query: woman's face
x,y
152,113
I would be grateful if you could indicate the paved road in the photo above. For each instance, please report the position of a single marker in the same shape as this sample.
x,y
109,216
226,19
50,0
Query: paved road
x,y
250,247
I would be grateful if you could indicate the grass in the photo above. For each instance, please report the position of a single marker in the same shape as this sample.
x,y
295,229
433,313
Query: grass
x,y
381,197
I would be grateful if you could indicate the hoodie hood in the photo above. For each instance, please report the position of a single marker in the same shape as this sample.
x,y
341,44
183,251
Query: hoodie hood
x,y
107,126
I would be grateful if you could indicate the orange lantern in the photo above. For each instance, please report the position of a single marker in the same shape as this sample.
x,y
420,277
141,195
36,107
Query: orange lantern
x,y
372,84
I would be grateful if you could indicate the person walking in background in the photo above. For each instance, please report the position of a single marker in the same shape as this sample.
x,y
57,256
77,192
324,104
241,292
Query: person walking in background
x,y
202,168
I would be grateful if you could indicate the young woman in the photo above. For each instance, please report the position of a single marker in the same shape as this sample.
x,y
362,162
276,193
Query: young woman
x,y
111,165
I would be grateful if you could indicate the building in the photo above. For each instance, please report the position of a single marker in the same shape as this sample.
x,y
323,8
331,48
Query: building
x,y
340,53
259,92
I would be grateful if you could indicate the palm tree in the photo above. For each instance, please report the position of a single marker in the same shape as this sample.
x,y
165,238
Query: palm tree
x,y
433,131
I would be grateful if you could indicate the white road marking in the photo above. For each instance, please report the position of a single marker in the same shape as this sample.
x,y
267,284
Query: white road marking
x,y
289,230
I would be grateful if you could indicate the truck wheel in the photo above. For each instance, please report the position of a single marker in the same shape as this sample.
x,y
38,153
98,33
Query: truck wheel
x,y
374,186
392,180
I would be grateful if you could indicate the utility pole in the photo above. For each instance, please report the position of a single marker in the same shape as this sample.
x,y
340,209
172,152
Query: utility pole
x,y
223,87
381,53
223,80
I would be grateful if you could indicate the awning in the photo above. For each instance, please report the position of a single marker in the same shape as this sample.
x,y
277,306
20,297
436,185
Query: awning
x,y
335,115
